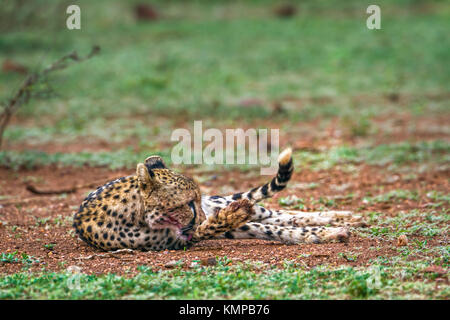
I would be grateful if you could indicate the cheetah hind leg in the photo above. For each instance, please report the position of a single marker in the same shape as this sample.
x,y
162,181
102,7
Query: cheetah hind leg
x,y
332,218
226,219
289,235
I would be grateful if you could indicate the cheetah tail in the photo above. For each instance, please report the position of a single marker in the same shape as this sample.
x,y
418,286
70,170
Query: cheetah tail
x,y
278,183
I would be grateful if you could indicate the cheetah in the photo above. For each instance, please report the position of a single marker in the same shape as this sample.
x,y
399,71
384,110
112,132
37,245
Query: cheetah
x,y
159,209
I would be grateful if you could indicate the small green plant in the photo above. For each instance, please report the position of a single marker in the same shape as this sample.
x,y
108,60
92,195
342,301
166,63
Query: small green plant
x,y
9,257
438,196
420,244
327,202
349,256
28,260
292,201
42,221
391,196
49,246
14,257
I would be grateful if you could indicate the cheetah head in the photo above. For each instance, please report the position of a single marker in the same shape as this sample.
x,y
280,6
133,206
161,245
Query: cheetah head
x,y
171,200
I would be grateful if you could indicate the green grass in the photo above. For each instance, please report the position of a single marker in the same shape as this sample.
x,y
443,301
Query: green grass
x,y
401,153
241,281
416,222
14,257
437,151
199,64
392,197
125,158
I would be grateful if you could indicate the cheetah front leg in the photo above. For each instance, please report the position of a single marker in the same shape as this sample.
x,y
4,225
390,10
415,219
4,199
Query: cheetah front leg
x,y
226,219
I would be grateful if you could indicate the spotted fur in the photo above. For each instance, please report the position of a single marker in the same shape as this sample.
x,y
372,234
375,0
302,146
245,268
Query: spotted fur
x,y
160,209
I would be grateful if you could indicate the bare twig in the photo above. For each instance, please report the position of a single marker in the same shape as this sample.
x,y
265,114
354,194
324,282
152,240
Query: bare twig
x,y
20,201
72,189
33,189
108,254
23,95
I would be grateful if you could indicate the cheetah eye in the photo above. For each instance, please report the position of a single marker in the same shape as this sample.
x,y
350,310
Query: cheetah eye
x,y
192,206
192,223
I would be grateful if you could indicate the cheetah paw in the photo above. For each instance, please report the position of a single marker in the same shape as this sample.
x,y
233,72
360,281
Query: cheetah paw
x,y
337,235
344,218
236,213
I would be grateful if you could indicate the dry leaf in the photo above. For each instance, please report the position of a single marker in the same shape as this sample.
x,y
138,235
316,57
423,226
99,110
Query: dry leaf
x,y
402,241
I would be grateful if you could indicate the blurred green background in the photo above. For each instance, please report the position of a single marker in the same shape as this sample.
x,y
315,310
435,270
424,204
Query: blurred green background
x,y
229,63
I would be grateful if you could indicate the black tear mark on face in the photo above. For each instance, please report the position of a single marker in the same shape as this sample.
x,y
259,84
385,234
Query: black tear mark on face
x,y
192,223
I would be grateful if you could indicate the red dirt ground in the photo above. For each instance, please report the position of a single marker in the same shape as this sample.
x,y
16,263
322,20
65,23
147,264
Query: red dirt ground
x,y
21,231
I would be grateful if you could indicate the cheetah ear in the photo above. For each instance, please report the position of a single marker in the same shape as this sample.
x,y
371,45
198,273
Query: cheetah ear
x,y
146,179
155,162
